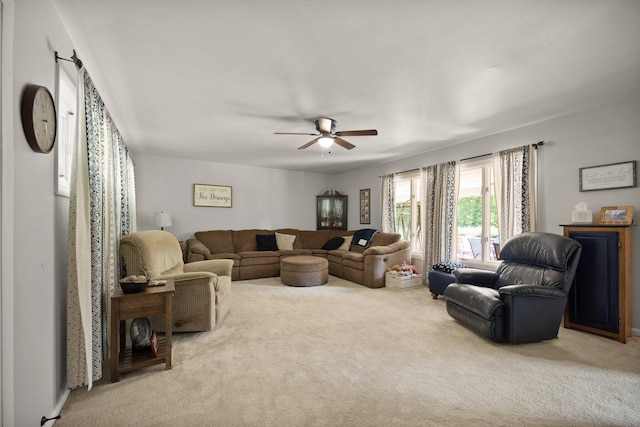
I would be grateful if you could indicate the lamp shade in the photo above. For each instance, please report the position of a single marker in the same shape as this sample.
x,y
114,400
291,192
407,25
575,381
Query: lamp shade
x,y
163,219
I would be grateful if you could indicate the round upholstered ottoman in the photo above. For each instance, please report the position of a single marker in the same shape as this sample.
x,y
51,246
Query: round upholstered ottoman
x,y
304,271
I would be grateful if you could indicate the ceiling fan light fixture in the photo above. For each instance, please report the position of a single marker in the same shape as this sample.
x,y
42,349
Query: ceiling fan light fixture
x,y
325,141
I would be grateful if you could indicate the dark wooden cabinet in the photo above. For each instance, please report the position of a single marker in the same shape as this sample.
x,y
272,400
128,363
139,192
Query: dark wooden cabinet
x,y
600,298
332,211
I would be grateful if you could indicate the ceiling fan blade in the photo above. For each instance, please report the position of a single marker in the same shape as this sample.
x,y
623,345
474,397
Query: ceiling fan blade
x,y
370,132
294,133
308,144
344,144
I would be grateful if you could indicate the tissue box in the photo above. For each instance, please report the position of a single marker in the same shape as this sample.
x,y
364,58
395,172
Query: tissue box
x,y
582,216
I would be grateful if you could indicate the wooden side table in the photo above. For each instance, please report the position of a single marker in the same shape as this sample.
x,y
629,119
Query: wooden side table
x,y
152,301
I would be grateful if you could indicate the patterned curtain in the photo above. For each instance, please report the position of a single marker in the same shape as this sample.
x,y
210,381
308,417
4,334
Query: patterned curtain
x,y
388,204
101,211
439,213
516,190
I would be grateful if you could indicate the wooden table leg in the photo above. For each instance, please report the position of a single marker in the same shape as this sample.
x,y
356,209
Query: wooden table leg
x,y
114,341
168,317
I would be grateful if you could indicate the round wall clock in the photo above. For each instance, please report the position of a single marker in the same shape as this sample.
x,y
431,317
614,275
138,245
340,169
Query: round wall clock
x,y
39,119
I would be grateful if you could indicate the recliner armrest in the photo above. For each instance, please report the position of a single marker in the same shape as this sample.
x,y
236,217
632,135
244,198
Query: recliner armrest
x,y
220,267
196,246
387,249
531,290
178,277
475,276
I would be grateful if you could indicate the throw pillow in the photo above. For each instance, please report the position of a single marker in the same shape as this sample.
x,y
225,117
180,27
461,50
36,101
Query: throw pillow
x,y
447,267
285,241
362,238
333,243
347,243
266,242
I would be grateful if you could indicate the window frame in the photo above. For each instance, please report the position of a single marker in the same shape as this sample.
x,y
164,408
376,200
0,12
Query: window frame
x,y
487,165
415,197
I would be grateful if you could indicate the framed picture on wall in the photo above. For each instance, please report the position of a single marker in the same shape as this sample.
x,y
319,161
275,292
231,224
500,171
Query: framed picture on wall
x,y
606,177
218,196
365,196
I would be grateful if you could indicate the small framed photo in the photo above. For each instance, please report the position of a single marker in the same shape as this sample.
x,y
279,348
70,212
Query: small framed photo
x,y
620,215
218,196
365,196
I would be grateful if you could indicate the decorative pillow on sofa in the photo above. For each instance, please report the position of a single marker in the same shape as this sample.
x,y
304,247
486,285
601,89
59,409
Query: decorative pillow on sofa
x,y
362,238
266,242
333,243
347,243
285,241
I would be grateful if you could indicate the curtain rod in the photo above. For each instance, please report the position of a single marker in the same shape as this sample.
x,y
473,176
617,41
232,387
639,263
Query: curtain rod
x,y
398,173
74,59
535,146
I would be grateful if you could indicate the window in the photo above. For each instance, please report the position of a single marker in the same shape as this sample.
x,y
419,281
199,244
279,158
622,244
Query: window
x,y
66,132
407,199
477,216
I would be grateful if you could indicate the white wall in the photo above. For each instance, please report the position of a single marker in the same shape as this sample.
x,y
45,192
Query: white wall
x,y
262,198
608,134
39,231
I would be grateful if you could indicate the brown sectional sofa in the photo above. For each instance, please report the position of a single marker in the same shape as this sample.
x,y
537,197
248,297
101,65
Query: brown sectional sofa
x,y
364,266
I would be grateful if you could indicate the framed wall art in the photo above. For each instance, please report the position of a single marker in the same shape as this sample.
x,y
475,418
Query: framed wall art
x,y
365,196
217,196
605,177
619,215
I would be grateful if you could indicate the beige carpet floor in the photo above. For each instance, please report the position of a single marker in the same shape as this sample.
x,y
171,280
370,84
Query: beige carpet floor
x,y
345,355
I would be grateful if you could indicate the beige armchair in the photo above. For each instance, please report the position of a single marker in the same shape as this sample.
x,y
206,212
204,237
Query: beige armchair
x,y
201,301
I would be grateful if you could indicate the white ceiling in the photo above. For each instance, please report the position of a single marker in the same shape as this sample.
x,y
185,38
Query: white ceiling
x,y
213,80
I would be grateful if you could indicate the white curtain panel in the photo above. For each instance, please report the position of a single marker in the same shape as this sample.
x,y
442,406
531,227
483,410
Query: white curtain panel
x,y
439,183
101,211
515,174
388,204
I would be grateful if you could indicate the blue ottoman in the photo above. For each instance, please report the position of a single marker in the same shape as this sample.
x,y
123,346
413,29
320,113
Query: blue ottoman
x,y
438,282
440,277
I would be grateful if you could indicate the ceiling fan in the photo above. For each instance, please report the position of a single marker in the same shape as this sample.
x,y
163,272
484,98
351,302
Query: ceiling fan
x,y
327,134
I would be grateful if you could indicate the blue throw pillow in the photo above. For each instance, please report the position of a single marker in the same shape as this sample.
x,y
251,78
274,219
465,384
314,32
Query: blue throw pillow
x,y
362,238
333,243
266,242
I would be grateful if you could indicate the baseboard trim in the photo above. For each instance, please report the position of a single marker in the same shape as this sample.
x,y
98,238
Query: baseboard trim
x,y
58,408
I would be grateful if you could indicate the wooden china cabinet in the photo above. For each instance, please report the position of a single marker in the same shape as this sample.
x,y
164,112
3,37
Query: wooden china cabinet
x,y
331,211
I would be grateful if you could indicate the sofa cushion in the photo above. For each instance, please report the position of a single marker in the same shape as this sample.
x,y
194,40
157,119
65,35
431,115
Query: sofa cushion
x,y
297,242
217,241
333,243
285,241
245,240
314,239
385,239
485,302
259,258
347,243
266,242
353,260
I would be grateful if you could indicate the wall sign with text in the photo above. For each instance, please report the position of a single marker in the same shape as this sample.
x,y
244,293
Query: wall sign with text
x,y
218,196
606,177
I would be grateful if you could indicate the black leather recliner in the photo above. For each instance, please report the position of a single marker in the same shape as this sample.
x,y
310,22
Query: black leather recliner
x,y
524,299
